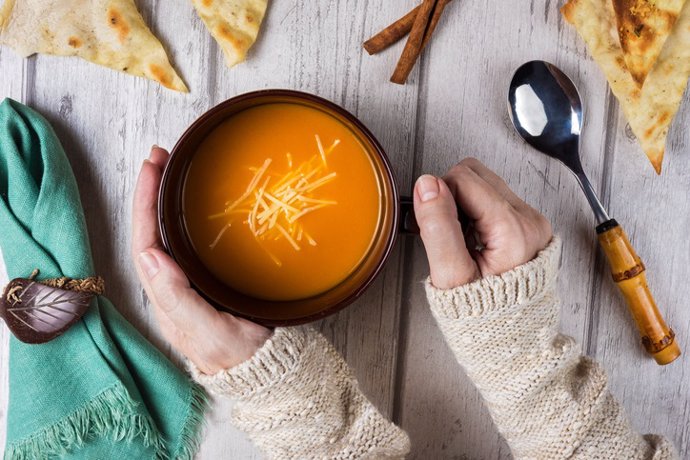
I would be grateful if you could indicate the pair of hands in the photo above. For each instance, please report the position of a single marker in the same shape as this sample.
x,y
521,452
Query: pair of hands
x,y
510,232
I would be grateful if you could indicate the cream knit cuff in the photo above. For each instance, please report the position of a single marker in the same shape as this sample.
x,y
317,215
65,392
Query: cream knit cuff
x,y
269,365
516,287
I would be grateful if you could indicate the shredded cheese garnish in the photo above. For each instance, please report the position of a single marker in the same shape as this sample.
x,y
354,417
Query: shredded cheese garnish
x,y
273,203
321,150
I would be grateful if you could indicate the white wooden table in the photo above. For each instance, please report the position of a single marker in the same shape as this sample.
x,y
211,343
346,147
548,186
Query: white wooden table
x,y
453,106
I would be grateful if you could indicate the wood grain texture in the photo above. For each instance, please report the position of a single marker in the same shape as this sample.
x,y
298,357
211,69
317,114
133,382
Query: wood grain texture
x,y
467,116
13,85
655,211
453,106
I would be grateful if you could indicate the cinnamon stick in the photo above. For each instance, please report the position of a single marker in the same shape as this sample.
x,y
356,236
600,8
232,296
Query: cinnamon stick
x,y
427,18
392,33
435,17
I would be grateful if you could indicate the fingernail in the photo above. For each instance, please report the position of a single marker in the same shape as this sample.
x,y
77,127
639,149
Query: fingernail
x,y
149,264
427,187
153,147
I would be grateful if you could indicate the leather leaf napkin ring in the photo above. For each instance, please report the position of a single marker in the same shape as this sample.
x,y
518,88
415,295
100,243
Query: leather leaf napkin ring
x,y
39,311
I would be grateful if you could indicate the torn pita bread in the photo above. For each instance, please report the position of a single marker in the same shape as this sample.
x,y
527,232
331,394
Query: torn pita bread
x,y
233,23
650,109
111,33
643,27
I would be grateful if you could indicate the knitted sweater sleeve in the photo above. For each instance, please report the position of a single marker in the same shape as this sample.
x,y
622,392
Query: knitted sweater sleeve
x,y
546,399
296,398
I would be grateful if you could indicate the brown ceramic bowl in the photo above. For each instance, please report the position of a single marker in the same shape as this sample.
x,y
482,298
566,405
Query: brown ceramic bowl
x,y
272,313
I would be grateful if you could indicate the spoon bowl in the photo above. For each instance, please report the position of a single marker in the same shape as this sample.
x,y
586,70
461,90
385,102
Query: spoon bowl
x,y
546,110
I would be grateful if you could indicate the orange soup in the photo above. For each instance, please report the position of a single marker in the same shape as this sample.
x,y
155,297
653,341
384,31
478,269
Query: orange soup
x,y
282,201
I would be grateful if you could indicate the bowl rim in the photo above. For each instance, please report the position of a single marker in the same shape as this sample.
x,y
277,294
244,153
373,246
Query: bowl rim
x,y
386,171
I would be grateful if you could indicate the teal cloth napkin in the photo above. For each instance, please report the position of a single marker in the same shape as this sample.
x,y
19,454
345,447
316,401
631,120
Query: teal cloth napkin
x,y
99,391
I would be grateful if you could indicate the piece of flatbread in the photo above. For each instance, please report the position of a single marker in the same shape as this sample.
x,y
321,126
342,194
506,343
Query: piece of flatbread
x,y
650,109
111,33
643,28
233,23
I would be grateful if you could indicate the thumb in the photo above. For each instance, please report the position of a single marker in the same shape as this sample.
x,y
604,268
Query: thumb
x,y
169,290
450,262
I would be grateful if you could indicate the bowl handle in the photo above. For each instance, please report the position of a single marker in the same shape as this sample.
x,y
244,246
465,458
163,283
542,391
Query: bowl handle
x,y
408,221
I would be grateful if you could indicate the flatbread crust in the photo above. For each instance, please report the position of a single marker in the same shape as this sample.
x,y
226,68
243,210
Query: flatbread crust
x,y
643,28
111,33
233,23
650,109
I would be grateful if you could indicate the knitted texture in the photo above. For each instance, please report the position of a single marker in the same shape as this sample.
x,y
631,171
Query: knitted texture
x,y
546,399
297,399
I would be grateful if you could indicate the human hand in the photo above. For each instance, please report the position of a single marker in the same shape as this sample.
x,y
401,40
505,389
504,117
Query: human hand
x,y
509,231
212,340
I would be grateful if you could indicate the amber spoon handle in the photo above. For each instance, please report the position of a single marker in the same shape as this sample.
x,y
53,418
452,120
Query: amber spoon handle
x,y
629,274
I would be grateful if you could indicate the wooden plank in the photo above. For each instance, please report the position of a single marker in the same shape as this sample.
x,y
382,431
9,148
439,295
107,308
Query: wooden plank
x,y
107,122
292,53
655,211
12,78
366,333
221,438
463,112
12,84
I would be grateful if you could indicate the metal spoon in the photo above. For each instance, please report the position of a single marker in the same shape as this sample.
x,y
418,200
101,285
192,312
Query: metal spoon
x,y
546,110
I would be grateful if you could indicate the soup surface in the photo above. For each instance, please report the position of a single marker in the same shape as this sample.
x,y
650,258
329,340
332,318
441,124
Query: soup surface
x,y
281,201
